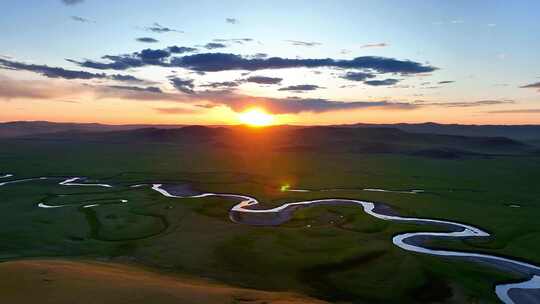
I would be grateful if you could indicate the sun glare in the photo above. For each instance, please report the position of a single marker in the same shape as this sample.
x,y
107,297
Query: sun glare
x,y
256,118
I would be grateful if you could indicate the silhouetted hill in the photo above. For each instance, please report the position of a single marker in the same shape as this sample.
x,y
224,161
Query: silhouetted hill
x,y
328,139
23,128
518,132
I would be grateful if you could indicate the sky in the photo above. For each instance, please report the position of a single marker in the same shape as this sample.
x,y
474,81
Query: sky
x,y
305,62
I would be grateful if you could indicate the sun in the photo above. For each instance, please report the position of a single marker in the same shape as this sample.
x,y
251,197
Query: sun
x,y
256,117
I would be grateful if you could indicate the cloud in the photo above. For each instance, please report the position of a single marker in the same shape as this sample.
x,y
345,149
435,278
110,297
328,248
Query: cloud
x,y
239,103
147,39
304,43
374,45
51,89
81,19
357,76
224,84
158,28
147,94
446,81
183,85
301,88
467,104
535,85
234,40
72,2
385,82
33,89
253,79
263,80
56,72
214,45
204,99
231,20
176,110
139,89
516,111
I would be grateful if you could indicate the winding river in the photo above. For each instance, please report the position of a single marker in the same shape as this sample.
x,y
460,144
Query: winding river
x,y
408,241
247,212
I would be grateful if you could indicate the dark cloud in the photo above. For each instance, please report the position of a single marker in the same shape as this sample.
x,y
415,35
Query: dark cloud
x,y
147,39
138,89
207,106
158,28
516,111
56,72
81,19
374,45
301,88
213,62
263,80
214,45
385,82
357,76
150,55
231,20
303,43
72,2
258,56
535,85
183,85
446,81
180,49
224,84
122,77
136,59
174,110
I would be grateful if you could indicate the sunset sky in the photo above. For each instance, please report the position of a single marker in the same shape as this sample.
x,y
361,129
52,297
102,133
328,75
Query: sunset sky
x,y
307,62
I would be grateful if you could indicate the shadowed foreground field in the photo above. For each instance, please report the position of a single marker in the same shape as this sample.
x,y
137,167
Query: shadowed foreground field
x,y
59,282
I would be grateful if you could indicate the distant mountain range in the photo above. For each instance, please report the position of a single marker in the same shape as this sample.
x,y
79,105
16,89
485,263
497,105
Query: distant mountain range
x,y
388,139
517,132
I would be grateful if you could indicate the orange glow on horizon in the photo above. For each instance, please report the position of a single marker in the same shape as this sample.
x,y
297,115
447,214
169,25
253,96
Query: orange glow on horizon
x,y
256,117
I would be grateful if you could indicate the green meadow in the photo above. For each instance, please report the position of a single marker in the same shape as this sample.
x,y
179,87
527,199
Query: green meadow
x,y
335,253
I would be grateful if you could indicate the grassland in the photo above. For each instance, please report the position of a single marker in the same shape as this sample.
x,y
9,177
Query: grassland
x,y
344,255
